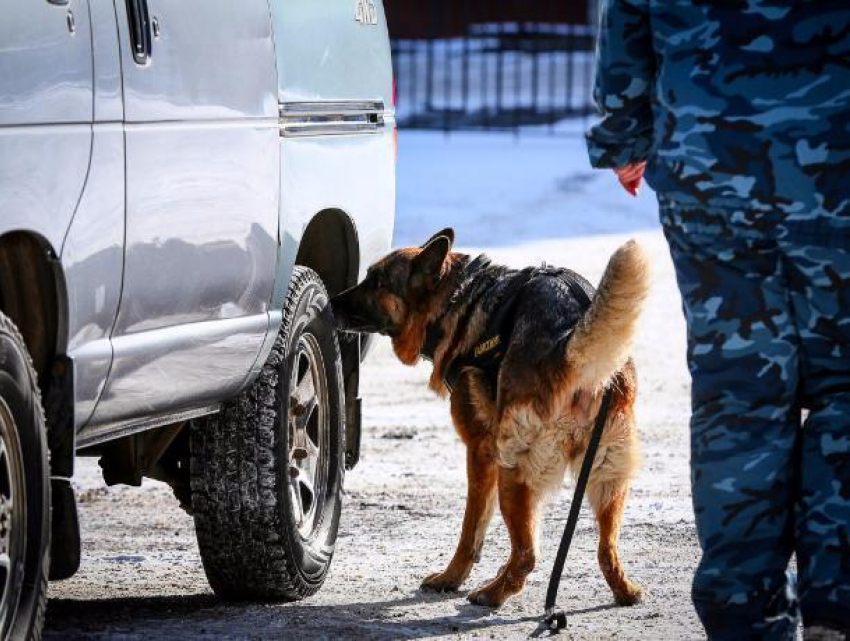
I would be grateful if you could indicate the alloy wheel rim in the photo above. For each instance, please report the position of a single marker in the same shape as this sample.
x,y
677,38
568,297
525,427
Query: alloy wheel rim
x,y
308,435
12,517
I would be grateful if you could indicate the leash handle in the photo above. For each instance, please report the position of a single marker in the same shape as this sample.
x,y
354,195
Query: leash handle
x,y
556,621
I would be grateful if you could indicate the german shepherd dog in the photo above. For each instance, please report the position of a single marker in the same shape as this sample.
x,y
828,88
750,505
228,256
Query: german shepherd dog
x,y
528,419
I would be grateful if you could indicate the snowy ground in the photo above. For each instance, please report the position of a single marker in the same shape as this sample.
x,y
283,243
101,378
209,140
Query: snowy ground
x,y
525,200
501,190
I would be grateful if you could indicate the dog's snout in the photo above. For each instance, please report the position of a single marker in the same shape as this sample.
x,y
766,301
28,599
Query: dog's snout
x,y
341,312
350,313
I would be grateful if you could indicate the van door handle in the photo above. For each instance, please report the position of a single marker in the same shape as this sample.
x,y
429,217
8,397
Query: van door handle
x,y
60,3
140,30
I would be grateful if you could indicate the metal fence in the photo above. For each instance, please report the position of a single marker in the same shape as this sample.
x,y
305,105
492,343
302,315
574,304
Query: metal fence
x,y
491,64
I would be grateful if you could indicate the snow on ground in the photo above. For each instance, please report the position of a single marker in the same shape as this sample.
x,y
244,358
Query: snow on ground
x,y
525,201
501,190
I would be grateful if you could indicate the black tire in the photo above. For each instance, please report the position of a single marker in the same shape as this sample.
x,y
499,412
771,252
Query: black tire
x,y
254,542
24,492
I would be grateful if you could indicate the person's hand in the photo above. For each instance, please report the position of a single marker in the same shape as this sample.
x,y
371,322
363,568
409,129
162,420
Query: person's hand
x,y
630,176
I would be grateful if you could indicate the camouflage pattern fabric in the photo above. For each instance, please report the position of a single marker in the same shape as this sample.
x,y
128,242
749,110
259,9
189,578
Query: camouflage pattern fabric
x,y
742,111
741,108
767,337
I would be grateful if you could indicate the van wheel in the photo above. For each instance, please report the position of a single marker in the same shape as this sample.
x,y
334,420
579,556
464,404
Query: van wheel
x,y
24,492
267,470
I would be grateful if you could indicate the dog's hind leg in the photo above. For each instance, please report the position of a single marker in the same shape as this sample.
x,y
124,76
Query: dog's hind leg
x,y
608,489
518,503
482,474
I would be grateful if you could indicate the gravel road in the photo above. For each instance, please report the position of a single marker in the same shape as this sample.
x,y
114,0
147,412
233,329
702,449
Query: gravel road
x,y
141,575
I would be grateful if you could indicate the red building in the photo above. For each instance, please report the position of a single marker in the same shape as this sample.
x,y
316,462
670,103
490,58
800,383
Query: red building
x,y
425,19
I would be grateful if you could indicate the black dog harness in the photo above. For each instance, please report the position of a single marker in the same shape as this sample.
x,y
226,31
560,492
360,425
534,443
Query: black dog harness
x,y
488,353
487,357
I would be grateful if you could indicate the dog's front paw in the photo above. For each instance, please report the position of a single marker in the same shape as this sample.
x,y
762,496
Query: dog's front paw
x,y
441,582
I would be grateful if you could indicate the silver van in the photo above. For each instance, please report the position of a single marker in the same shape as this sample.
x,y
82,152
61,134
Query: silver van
x,y
183,183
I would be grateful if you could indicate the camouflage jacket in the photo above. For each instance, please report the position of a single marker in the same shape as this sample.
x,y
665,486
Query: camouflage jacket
x,y
740,107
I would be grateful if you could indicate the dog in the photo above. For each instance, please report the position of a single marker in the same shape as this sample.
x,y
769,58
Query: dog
x,y
524,397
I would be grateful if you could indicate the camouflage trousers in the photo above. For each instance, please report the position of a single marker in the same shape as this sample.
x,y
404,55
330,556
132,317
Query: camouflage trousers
x,y
769,355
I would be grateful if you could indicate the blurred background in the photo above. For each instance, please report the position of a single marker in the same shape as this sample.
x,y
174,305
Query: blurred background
x,y
491,64
493,98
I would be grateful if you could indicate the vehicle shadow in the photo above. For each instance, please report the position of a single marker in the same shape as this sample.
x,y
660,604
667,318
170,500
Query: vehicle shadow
x,y
205,616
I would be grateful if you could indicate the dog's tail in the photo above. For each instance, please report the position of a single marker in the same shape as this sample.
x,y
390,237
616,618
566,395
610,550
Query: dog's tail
x,y
602,340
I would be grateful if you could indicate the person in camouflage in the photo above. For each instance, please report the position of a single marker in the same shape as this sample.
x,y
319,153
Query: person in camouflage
x,y
740,113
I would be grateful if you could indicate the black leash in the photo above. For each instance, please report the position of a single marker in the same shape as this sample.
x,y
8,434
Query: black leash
x,y
557,621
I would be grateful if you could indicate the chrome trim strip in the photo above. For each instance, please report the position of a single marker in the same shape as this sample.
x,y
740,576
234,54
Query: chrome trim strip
x,y
52,128
332,107
109,432
210,123
331,118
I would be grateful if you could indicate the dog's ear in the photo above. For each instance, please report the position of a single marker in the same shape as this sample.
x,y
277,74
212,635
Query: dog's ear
x,y
448,232
427,267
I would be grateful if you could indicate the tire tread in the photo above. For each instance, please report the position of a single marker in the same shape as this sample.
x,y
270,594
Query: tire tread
x,y
37,621
235,494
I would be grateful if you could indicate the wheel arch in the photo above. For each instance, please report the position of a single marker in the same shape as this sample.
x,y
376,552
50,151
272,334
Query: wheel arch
x,y
330,247
33,296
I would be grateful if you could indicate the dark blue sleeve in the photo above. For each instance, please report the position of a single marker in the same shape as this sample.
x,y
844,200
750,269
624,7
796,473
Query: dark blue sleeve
x,y
625,75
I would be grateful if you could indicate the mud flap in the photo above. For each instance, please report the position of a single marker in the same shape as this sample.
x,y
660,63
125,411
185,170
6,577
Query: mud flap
x,y
64,531
353,407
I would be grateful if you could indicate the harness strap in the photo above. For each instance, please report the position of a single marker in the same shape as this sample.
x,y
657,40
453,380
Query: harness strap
x,y
433,332
488,352
556,621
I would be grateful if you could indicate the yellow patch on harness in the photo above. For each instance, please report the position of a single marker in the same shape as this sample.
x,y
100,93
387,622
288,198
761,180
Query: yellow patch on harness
x,y
486,346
